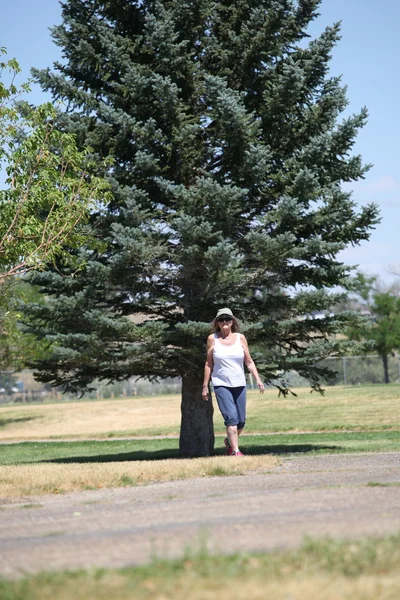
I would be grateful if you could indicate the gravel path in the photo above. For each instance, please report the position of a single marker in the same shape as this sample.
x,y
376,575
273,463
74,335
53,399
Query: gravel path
x,y
320,495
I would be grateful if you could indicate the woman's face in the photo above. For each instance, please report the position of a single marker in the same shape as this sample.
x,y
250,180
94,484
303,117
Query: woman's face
x,y
224,322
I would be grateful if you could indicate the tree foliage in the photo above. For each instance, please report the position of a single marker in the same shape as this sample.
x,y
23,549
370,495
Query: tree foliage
x,y
224,124
16,347
383,330
49,192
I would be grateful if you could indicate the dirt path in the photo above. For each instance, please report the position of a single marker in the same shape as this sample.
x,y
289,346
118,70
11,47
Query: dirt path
x,y
330,494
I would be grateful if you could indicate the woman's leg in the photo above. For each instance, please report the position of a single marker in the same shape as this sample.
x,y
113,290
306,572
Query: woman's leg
x,y
228,408
239,396
232,433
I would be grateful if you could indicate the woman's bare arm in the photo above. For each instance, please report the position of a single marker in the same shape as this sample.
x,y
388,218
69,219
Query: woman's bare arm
x,y
208,367
250,363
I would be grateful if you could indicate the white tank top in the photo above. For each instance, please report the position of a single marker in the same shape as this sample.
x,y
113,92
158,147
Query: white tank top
x,y
228,367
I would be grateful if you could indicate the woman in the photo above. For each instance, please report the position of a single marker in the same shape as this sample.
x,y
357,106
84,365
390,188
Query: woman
x,y
226,351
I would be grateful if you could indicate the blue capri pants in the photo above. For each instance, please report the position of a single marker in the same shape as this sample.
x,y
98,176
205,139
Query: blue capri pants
x,y
232,404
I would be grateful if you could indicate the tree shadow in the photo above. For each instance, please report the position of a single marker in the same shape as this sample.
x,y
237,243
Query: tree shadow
x,y
6,422
280,449
140,455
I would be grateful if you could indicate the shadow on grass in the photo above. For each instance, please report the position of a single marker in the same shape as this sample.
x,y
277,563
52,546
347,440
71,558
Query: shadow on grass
x,y
174,453
6,422
280,449
120,457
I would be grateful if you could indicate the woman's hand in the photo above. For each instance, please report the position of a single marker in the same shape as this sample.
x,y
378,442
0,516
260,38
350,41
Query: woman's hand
x,y
261,386
204,393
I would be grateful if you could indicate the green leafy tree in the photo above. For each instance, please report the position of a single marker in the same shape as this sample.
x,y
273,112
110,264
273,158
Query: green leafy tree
x,y
49,192
386,330
16,347
384,327
46,202
229,158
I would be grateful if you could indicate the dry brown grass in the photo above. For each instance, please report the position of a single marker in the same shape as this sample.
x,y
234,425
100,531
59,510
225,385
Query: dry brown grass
x,y
366,408
91,419
328,587
44,478
296,588
117,586
353,407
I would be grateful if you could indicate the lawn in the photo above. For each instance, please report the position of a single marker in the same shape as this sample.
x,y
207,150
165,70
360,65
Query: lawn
x,y
354,408
95,451
35,468
345,420
365,569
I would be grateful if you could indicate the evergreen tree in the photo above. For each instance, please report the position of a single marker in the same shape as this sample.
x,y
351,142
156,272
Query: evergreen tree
x,y
229,158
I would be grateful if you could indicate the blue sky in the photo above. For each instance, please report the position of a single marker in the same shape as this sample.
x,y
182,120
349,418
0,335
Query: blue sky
x,y
367,58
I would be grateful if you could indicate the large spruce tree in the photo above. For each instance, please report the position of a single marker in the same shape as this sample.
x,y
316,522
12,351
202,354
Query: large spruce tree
x,y
230,152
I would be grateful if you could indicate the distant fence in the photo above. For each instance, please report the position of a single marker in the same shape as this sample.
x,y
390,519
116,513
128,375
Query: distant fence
x,y
22,387
349,370
355,370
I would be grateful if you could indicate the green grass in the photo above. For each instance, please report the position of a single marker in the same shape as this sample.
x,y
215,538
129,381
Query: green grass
x,y
380,484
318,569
136,450
88,451
323,443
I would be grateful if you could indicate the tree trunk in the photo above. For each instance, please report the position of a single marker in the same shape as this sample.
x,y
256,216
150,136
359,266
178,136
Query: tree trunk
x,y
385,367
197,429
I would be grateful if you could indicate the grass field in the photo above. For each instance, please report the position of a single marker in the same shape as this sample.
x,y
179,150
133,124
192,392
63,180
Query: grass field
x,y
151,450
366,569
344,420
347,419
35,468
368,408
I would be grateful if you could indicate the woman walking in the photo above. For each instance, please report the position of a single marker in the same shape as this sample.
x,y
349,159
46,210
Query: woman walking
x,y
227,350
